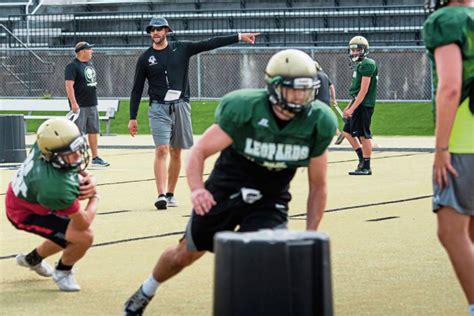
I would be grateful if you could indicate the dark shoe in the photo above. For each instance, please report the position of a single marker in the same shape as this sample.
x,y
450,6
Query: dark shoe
x,y
339,139
361,172
161,202
136,304
99,162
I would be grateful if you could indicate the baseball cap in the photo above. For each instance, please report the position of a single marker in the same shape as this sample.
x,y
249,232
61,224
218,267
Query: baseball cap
x,y
82,45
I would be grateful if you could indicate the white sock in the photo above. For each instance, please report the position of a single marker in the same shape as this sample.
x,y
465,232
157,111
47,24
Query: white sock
x,y
150,286
471,310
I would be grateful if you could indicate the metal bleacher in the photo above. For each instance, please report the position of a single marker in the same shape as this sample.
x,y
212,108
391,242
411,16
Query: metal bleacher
x,y
311,26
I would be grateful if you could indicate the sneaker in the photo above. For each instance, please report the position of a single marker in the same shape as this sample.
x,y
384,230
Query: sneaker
x,y
161,202
136,304
65,281
339,139
361,172
171,199
42,268
99,162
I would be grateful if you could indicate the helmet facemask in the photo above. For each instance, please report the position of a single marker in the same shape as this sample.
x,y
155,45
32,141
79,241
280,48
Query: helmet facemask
x,y
277,96
56,156
359,56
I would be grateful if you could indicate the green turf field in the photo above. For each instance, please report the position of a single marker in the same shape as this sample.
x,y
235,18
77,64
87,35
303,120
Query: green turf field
x,y
390,118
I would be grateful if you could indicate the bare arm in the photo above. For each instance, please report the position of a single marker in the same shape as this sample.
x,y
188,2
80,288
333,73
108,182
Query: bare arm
x,y
317,196
448,61
70,95
213,141
332,94
82,220
364,87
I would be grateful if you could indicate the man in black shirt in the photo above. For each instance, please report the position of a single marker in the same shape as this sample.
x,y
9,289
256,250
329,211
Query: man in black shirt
x,y
165,66
81,84
327,94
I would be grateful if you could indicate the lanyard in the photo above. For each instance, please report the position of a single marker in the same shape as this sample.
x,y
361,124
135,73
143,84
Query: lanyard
x,y
167,81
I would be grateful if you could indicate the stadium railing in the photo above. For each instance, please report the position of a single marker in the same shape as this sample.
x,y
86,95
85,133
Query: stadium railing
x,y
295,26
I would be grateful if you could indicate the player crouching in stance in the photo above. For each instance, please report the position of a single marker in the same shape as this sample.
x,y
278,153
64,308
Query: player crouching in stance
x,y
263,136
43,199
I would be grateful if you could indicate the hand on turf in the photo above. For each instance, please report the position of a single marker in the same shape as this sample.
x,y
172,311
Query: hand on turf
x,y
441,166
202,201
87,185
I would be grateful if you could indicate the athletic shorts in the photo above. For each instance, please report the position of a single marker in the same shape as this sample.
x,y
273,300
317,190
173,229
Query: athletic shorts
x,y
231,212
358,125
459,193
37,219
170,123
52,227
88,120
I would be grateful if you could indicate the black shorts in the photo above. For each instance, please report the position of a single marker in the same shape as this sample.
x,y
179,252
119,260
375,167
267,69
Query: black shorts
x,y
230,213
52,227
358,125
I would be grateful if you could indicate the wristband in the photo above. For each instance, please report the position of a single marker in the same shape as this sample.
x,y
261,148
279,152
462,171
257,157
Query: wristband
x,y
97,196
240,37
440,149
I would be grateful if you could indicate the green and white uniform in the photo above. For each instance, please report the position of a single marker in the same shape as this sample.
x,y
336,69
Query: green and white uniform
x,y
455,25
365,68
39,182
40,197
447,26
251,177
263,155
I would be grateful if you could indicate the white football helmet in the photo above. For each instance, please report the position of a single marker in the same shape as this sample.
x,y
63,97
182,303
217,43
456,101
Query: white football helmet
x,y
294,69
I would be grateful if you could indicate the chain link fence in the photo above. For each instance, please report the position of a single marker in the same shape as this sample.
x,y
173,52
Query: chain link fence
x,y
404,73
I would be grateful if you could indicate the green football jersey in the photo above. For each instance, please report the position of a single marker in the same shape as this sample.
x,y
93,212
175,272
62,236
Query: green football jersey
x,y
366,68
455,24
246,116
39,182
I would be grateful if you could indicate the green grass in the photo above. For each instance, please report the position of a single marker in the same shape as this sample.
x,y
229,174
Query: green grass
x,y
405,119
389,118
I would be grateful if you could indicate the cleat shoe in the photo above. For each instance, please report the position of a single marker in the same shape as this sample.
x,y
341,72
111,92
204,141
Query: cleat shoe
x,y
65,281
161,202
136,304
42,268
361,172
171,199
339,139
99,162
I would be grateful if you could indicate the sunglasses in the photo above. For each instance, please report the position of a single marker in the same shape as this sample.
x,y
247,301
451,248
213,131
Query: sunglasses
x,y
153,29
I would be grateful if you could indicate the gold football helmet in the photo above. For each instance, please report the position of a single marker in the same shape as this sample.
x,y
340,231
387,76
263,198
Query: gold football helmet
x,y
294,69
58,137
358,42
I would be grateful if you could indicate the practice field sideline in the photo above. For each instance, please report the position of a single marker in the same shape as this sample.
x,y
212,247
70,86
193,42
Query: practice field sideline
x,y
386,259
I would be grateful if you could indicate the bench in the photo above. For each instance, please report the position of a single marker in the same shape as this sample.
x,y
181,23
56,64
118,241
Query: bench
x,y
107,107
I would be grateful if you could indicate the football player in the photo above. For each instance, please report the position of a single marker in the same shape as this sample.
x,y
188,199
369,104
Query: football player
x,y
43,199
263,136
359,111
449,36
